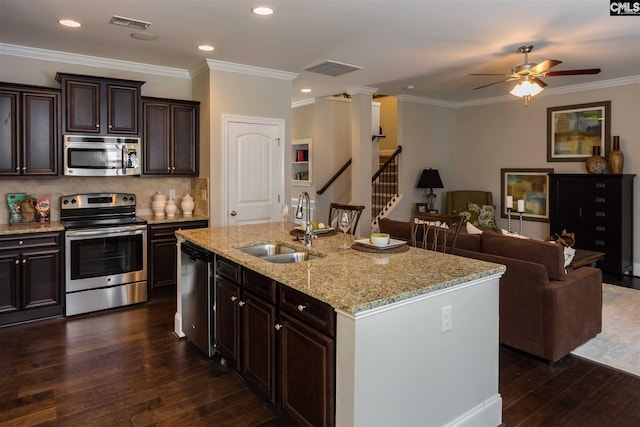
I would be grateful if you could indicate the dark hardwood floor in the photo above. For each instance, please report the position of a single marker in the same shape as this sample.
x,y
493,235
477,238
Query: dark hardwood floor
x,y
125,367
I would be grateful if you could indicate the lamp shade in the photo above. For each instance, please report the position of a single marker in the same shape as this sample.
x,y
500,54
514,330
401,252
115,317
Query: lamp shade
x,y
430,178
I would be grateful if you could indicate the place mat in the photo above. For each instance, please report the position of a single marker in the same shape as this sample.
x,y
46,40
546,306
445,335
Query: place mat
x,y
363,248
297,232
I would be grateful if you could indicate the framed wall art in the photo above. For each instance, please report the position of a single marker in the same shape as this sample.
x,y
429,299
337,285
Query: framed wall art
x,y
573,131
531,186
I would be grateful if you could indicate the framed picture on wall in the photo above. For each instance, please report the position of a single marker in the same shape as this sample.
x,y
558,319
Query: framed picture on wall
x,y
529,190
573,131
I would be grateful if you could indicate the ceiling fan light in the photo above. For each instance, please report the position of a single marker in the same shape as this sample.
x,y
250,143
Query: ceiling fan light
x,y
526,88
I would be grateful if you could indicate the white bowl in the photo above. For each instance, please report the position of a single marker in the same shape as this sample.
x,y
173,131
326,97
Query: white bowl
x,y
379,239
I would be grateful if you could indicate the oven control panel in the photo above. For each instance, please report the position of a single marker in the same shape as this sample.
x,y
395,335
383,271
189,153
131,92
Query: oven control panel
x,y
97,200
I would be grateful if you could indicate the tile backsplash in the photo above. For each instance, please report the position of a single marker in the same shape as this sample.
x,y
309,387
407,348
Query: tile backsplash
x,y
143,188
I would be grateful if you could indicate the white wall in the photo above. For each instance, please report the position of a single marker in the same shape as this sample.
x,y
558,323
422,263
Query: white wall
x,y
510,135
236,93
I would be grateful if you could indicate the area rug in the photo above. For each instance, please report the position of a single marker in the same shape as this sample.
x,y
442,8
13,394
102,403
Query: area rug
x,y
618,345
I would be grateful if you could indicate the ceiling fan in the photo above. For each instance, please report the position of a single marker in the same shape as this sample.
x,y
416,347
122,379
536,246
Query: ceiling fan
x,y
528,75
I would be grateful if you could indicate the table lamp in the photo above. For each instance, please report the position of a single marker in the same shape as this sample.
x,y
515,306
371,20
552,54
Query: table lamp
x,y
430,178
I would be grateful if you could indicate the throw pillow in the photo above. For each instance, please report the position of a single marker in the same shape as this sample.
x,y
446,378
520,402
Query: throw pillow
x,y
472,229
506,233
569,253
482,215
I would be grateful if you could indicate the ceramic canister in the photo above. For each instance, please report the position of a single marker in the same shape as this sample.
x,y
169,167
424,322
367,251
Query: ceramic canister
x,y
187,205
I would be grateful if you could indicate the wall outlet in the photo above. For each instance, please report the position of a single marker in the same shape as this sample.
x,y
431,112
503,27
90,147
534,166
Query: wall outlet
x,y
172,194
447,318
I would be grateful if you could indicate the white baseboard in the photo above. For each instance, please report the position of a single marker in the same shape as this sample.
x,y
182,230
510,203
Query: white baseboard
x,y
488,413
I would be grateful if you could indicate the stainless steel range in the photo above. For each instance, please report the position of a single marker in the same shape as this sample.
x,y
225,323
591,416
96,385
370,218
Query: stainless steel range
x,y
106,252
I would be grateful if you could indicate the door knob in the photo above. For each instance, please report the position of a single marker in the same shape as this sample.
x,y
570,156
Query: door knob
x,y
234,213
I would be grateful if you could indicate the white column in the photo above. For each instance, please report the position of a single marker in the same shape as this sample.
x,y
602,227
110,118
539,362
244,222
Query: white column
x,y
361,153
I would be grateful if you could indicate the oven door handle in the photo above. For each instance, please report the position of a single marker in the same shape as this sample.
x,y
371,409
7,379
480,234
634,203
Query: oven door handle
x,y
105,231
124,159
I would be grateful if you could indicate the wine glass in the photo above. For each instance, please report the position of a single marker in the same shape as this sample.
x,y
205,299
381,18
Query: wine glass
x,y
344,222
284,213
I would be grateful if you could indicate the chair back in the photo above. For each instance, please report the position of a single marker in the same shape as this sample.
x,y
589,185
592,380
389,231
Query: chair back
x,y
458,201
436,232
354,211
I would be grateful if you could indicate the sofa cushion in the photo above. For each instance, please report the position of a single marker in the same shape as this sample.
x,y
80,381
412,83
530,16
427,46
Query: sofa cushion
x,y
548,254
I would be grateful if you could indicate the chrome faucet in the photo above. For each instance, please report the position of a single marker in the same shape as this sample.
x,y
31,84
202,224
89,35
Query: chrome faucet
x,y
309,235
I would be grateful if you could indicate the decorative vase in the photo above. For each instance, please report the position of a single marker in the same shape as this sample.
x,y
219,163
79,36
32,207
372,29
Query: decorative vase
x,y
187,205
596,164
616,158
170,207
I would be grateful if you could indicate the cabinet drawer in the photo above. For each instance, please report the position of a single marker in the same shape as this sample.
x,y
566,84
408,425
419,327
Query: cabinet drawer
x,y
165,231
228,269
260,285
314,313
35,240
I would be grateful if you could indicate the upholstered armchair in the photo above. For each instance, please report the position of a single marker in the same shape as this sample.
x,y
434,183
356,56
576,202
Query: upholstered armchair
x,y
458,201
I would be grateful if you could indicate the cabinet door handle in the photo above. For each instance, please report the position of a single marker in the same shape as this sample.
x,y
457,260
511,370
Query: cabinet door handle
x,y
21,242
301,307
278,326
579,212
18,169
97,125
234,298
24,261
241,303
24,168
17,261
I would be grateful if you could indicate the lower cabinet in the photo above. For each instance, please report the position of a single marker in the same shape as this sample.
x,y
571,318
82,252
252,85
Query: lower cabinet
x,y
279,341
162,252
31,277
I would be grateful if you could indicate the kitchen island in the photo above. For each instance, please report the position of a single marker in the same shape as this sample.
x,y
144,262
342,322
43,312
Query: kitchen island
x,y
416,337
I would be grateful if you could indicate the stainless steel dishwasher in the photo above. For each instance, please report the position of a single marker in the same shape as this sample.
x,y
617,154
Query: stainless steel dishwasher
x,y
198,299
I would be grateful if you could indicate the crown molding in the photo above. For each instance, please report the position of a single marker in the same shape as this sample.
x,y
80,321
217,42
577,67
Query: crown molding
x,y
427,101
250,70
361,90
91,61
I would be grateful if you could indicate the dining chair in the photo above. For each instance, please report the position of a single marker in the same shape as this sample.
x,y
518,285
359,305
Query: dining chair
x,y
436,232
354,211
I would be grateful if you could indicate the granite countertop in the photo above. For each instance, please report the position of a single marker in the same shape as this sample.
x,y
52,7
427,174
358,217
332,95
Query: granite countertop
x,y
348,280
8,229
152,219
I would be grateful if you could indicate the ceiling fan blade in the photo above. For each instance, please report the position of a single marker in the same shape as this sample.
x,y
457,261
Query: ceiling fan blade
x,y
572,72
537,80
490,84
490,74
544,66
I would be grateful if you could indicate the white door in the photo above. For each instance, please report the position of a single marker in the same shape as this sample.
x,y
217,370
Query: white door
x,y
255,181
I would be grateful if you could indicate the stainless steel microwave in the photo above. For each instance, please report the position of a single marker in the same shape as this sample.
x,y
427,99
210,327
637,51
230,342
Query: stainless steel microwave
x,y
101,155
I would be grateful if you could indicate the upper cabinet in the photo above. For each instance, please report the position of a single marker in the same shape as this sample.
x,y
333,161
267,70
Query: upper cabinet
x,y
29,130
100,106
170,137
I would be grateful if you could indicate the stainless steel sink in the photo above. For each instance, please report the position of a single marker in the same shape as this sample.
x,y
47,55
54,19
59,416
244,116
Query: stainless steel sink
x,y
278,253
267,249
291,257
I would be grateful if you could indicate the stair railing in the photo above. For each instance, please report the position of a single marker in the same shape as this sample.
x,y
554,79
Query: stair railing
x,y
384,186
334,177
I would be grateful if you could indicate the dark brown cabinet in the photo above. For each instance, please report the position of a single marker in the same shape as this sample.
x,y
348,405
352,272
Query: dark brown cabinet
x,y
29,131
31,277
163,252
171,137
599,210
100,106
280,341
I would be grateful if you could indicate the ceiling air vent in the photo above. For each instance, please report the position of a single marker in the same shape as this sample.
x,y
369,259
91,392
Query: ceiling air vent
x,y
333,68
129,22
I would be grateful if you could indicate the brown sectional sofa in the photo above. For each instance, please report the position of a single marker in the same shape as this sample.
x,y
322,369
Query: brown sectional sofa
x,y
544,310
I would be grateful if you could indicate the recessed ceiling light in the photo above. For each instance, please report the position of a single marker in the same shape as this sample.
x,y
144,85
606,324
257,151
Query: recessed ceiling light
x,y
409,87
205,47
262,10
305,90
143,36
69,23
